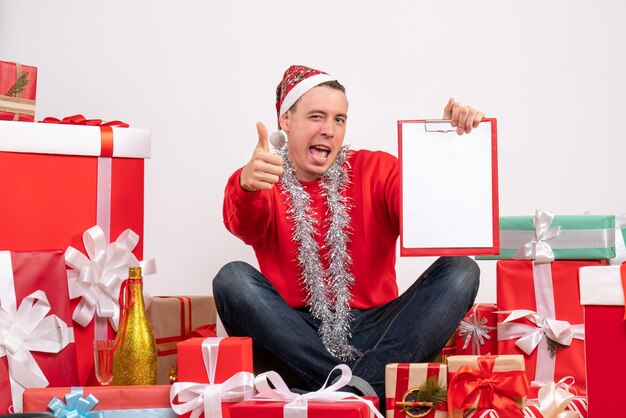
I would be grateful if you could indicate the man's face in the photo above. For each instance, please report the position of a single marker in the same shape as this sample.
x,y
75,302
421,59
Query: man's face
x,y
315,129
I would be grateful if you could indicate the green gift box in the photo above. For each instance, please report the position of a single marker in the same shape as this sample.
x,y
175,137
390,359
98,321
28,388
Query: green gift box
x,y
545,237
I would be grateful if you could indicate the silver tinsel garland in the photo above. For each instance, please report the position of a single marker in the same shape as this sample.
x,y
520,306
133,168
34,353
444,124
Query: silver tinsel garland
x,y
328,291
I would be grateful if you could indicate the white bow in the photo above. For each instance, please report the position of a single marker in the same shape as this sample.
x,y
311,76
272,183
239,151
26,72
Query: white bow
x,y
553,400
474,329
29,329
537,249
296,406
530,336
97,277
208,398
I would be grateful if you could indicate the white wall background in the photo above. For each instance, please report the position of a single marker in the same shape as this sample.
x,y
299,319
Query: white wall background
x,y
201,73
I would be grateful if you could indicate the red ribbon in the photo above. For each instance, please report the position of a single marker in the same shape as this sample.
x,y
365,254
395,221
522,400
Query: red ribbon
x,y
494,390
106,131
126,301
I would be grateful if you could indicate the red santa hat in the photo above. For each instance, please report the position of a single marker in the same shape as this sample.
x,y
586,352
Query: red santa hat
x,y
296,81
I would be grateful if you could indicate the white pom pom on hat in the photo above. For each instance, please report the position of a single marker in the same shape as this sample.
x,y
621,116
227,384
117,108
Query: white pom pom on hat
x,y
296,81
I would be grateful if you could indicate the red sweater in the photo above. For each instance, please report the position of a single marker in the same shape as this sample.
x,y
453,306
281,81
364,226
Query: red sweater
x,y
259,219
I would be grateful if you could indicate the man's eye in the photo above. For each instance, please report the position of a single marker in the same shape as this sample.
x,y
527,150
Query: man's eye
x,y
340,120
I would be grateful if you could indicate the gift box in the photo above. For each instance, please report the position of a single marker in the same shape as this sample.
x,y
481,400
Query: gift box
x,y
546,237
18,91
233,354
602,292
111,401
263,409
173,318
36,340
546,319
213,372
485,382
404,380
73,177
476,334
275,400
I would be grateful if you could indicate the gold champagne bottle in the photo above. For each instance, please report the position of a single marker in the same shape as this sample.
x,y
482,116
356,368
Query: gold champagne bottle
x,y
135,357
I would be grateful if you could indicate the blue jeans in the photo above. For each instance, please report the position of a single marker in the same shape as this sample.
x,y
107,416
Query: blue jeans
x,y
412,328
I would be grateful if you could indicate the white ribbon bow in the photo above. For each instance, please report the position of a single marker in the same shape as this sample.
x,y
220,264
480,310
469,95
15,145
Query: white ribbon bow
x,y
208,397
474,329
29,329
97,277
537,249
530,336
554,398
297,404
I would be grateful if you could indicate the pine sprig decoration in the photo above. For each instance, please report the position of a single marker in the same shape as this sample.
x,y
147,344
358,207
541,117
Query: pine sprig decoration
x,y
19,85
430,391
554,346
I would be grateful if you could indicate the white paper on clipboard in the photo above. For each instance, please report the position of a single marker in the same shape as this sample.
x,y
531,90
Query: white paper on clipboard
x,y
449,189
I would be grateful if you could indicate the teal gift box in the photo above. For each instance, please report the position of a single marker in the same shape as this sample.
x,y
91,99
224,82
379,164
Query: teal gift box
x,y
545,237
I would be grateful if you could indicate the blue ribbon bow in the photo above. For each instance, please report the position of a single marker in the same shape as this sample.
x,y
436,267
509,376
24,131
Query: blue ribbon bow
x,y
75,406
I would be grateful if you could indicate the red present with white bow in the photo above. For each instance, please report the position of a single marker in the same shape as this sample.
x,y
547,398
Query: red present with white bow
x,y
275,400
402,383
544,319
213,374
476,334
602,292
94,281
36,338
74,175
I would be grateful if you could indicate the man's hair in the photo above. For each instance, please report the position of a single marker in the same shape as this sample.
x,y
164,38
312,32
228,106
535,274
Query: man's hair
x,y
333,84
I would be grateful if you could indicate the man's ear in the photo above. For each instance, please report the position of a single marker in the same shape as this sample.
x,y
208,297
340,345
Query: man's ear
x,y
283,121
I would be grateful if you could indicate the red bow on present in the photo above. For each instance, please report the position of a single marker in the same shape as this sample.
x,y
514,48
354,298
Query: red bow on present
x,y
494,390
106,129
81,120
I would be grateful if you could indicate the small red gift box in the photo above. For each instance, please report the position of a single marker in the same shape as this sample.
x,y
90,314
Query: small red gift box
x,y
70,184
18,91
233,355
114,401
263,409
476,335
602,292
276,400
173,318
545,304
36,346
213,360
403,378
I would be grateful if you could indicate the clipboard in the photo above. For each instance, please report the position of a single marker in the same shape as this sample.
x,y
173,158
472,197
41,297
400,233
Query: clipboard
x,y
449,189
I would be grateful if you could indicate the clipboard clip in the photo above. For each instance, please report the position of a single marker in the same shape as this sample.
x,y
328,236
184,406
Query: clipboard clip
x,y
439,125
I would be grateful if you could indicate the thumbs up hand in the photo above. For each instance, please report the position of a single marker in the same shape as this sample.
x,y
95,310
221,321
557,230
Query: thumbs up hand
x,y
264,168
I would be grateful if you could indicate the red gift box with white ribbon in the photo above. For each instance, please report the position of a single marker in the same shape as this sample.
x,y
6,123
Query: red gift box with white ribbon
x,y
544,319
63,178
36,338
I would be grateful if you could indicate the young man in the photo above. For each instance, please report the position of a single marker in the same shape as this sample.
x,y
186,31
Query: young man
x,y
324,222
